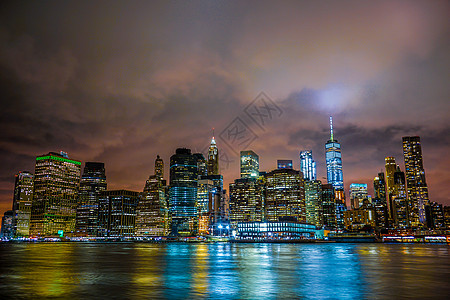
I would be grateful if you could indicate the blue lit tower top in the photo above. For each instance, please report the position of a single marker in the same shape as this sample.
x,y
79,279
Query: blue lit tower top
x,y
334,161
308,165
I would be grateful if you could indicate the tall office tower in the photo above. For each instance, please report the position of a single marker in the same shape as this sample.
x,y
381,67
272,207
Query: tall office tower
x,y
183,193
329,207
117,213
284,164
358,195
334,165
435,216
313,202
213,158
308,165
249,164
206,194
159,167
400,203
7,230
202,166
216,214
415,179
152,215
379,201
92,184
285,196
246,201
56,183
390,167
23,197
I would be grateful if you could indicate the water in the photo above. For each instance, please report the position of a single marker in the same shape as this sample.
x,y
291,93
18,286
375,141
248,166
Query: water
x,y
224,271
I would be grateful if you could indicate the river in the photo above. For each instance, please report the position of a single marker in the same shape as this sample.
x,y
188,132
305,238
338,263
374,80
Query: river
x,y
223,271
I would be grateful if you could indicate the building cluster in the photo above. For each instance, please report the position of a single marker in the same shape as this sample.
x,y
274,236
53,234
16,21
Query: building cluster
x,y
59,200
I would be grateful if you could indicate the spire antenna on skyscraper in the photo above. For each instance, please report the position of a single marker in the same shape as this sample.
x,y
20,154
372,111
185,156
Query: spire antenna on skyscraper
x,y
331,127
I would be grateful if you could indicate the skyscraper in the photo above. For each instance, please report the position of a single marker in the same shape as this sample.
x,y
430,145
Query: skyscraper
x,y
206,192
308,165
117,213
313,202
330,208
334,161
183,192
23,197
379,201
415,179
400,203
159,167
249,164
285,196
92,184
202,165
246,201
213,158
56,183
152,214
390,167
284,164
358,195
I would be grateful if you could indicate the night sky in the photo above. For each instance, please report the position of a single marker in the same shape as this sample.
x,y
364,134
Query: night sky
x,y
120,82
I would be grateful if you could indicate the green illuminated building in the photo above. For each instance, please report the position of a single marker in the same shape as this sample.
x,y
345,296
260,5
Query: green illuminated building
x,y
54,205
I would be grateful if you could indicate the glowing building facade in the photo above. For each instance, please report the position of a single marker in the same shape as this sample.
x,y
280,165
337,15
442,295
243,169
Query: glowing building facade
x,y
379,201
284,164
313,202
183,193
246,201
55,198
308,165
92,184
249,164
334,161
22,201
117,213
284,196
213,158
415,179
358,195
152,215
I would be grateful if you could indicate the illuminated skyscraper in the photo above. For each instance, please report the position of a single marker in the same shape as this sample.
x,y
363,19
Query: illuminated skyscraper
x,y
159,167
152,215
92,184
308,165
334,161
249,164
206,192
400,203
390,167
313,202
183,193
358,195
23,197
329,207
202,166
213,158
284,164
246,201
415,179
285,196
379,201
117,213
56,183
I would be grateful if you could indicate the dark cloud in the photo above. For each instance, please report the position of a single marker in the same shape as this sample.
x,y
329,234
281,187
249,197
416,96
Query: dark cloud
x,y
122,82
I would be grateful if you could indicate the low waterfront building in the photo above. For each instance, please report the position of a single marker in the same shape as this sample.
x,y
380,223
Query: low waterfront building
x,y
276,230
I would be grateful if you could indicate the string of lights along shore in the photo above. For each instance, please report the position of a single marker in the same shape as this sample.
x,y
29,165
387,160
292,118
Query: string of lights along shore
x,y
59,200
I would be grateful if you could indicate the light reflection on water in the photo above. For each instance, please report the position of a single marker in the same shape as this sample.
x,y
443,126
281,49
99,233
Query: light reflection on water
x,y
224,271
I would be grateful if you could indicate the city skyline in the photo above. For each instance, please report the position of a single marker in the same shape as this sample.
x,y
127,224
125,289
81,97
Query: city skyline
x,y
119,90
